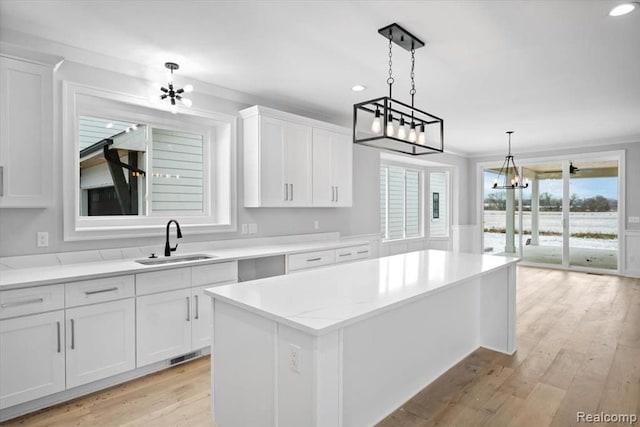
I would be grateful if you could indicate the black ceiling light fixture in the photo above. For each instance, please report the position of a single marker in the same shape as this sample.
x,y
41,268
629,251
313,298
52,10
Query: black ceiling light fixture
x,y
382,122
175,94
509,173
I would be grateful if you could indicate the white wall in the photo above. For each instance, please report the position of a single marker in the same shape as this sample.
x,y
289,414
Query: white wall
x,y
18,227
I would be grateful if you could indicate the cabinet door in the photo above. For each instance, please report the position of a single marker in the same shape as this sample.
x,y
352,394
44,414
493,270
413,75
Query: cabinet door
x,y
202,318
272,137
341,168
163,326
100,341
324,192
26,134
298,164
31,357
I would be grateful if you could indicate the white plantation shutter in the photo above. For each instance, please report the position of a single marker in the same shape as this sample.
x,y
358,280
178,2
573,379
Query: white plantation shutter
x,y
412,204
396,203
400,202
383,201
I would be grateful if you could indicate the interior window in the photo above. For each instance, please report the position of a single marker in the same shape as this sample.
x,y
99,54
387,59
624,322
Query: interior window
x,y
400,202
130,168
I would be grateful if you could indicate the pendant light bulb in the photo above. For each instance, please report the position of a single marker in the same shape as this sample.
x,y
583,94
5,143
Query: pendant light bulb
x,y
188,89
422,137
412,133
402,132
390,129
376,125
186,102
173,108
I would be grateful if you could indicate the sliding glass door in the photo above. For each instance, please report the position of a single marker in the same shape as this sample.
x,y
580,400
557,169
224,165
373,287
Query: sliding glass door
x,y
568,216
593,214
542,214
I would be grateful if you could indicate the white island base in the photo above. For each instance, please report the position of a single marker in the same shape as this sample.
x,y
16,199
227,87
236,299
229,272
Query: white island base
x,y
347,345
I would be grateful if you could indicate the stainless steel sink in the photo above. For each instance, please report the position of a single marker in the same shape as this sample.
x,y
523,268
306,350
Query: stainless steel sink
x,y
173,259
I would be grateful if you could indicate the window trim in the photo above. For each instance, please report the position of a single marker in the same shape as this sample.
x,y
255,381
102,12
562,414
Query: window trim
x,y
220,175
449,182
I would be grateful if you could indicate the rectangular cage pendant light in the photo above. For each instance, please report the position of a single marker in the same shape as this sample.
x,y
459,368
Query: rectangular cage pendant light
x,y
392,125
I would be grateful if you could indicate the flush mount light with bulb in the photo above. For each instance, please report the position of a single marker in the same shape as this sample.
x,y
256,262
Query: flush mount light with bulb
x,y
623,9
375,121
509,169
173,94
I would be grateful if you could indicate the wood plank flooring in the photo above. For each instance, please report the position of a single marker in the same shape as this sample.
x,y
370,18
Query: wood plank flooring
x,y
578,350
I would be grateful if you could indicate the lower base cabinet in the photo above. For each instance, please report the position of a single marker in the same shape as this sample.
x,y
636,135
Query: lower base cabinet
x,y
163,326
202,318
170,324
100,341
32,357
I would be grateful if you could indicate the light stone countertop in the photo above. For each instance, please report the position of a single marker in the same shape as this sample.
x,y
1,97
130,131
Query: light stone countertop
x,y
323,300
45,275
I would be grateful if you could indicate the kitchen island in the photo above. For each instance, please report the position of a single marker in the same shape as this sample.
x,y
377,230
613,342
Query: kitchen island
x,y
346,345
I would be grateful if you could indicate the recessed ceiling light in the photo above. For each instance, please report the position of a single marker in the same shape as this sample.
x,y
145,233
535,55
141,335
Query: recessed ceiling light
x,y
622,9
358,88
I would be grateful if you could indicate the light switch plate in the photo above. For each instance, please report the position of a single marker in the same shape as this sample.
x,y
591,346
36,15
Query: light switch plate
x,y
634,219
245,228
253,228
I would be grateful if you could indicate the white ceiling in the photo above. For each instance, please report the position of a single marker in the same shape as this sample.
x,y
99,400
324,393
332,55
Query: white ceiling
x,y
559,73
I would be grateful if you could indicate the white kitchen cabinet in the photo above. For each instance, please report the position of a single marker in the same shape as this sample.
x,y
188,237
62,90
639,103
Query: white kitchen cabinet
x,y
176,319
277,163
100,341
202,318
163,326
26,134
332,168
309,260
32,357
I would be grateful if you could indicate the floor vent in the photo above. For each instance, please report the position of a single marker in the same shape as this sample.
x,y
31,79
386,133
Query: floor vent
x,y
183,358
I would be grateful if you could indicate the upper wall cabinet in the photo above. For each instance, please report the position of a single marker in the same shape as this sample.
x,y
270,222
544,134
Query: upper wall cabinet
x,y
26,134
332,166
294,161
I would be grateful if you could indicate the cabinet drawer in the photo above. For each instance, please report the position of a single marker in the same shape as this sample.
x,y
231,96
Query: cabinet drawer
x,y
164,280
352,253
362,252
98,290
18,302
311,259
214,273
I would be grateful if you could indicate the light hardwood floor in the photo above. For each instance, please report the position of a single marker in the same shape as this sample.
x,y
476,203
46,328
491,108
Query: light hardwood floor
x,y
578,350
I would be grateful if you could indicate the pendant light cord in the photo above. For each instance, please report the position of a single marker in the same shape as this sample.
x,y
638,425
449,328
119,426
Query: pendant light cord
x,y
390,79
413,75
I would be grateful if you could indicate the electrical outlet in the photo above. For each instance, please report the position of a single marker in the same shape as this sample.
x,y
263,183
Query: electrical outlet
x,y
294,358
42,239
316,225
253,228
245,228
634,220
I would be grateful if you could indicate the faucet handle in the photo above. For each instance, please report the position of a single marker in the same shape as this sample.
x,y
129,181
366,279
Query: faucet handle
x,y
173,249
